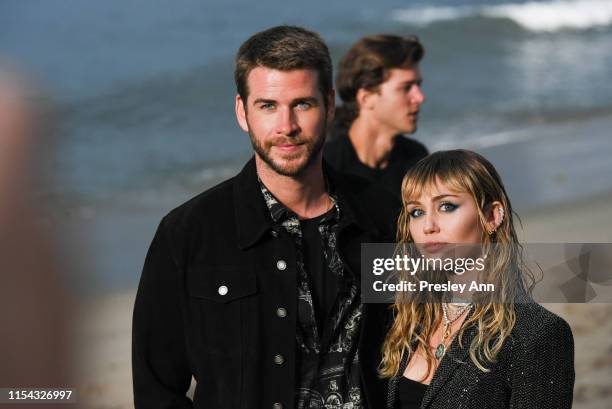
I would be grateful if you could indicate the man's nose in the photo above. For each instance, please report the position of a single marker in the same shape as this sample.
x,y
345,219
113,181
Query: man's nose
x,y
417,96
287,123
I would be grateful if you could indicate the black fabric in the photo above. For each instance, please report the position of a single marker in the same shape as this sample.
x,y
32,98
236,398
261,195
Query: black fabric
x,y
340,154
326,355
324,283
184,326
410,393
534,369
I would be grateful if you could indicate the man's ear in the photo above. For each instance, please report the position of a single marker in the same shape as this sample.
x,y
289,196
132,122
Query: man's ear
x,y
365,99
331,107
241,113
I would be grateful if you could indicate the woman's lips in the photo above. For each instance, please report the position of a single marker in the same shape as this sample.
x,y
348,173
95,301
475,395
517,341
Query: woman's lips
x,y
434,247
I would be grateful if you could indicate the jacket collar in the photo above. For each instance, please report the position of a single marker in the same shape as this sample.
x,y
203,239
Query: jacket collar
x,y
453,358
252,215
344,191
253,219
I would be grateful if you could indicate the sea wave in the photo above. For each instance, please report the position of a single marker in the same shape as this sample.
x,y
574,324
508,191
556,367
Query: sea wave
x,y
533,16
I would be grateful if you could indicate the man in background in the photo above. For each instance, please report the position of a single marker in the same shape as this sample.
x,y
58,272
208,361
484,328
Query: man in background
x,y
379,82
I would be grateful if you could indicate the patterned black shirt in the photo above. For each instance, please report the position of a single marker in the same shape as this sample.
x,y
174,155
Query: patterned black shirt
x,y
327,363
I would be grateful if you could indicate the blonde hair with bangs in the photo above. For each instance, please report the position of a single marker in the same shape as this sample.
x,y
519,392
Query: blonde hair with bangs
x,y
415,321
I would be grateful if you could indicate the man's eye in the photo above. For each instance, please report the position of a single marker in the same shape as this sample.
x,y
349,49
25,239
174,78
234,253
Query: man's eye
x,y
304,105
266,106
448,207
416,213
409,87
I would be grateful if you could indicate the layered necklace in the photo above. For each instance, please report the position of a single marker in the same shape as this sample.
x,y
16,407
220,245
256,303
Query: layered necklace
x,y
441,348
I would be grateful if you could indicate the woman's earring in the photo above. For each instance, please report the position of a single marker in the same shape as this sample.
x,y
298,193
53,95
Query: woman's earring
x,y
501,220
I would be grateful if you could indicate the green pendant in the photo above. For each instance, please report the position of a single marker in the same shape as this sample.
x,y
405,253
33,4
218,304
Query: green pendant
x,y
440,350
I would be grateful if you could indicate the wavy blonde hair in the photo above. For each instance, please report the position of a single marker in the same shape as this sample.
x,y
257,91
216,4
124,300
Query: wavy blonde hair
x,y
416,320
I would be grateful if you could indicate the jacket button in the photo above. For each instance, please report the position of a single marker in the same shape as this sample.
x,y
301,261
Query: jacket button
x,y
279,359
281,265
274,233
277,405
223,290
281,312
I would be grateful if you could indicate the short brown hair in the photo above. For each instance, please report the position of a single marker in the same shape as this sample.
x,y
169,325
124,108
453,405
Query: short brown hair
x,y
284,48
367,65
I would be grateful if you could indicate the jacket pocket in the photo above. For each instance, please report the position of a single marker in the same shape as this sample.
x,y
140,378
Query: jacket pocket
x,y
215,315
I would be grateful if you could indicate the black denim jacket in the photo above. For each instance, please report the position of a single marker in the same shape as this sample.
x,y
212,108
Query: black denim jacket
x,y
216,298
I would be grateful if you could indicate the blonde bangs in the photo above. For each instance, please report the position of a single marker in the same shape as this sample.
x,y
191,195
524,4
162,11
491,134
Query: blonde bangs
x,y
422,179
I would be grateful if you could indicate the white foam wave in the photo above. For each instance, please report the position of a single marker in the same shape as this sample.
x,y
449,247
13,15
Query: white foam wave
x,y
477,142
427,15
535,16
553,16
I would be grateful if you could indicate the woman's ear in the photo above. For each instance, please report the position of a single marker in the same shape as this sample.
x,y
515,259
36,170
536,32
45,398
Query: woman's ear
x,y
495,217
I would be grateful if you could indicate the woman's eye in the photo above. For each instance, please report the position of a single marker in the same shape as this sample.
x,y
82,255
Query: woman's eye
x,y
416,213
448,207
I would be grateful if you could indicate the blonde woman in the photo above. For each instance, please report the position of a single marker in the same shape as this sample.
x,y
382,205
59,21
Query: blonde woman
x,y
506,353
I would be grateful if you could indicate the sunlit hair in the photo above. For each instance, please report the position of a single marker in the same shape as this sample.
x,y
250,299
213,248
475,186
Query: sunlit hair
x,y
461,171
284,48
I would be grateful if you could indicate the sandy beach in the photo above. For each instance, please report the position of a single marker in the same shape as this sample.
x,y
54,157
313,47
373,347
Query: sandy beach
x,y
584,221
133,113
105,325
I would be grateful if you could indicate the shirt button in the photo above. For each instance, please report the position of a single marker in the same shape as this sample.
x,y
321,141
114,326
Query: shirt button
x,y
223,290
279,359
277,405
281,312
281,265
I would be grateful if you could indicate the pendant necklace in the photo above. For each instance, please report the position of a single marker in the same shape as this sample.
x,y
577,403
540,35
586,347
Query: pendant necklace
x,y
441,348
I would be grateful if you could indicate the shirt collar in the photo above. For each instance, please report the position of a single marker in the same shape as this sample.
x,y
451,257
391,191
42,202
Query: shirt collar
x,y
254,218
280,213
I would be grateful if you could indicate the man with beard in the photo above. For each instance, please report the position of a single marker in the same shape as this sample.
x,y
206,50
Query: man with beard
x,y
379,82
253,287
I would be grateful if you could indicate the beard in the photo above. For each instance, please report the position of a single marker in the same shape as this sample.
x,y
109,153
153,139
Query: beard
x,y
295,164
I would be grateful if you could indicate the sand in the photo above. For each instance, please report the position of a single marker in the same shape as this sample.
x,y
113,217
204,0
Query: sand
x,y
587,221
105,325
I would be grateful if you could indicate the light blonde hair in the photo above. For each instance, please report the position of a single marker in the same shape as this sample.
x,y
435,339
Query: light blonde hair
x,y
416,320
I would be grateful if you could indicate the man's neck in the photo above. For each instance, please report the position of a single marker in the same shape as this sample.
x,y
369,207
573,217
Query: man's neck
x,y
372,143
305,194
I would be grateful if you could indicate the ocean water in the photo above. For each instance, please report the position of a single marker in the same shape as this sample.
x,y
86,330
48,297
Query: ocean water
x,y
144,95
